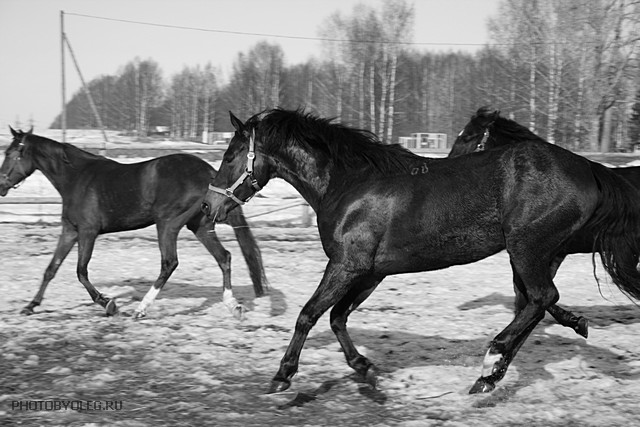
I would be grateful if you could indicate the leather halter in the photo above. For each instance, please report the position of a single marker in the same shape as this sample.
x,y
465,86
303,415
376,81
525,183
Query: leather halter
x,y
248,173
481,144
16,164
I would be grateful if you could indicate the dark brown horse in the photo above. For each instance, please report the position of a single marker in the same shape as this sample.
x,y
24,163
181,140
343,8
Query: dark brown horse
x,y
101,196
488,130
377,217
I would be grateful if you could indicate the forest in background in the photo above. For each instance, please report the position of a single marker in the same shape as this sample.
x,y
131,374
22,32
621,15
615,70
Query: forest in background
x,y
567,69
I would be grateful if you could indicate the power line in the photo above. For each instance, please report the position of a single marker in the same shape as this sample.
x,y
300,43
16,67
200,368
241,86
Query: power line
x,y
281,36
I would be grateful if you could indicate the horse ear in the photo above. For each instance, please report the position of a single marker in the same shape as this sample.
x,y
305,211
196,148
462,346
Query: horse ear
x,y
495,115
30,132
237,124
13,132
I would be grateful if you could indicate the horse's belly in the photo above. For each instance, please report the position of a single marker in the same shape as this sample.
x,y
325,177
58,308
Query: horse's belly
x,y
122,218
438,248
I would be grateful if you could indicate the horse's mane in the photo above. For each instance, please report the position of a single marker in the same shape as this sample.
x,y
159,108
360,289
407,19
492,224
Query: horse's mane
x,y
49,148
504,130
346,147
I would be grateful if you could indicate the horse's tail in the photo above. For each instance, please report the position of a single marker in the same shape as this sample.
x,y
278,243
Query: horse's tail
x,y
250,250
616,226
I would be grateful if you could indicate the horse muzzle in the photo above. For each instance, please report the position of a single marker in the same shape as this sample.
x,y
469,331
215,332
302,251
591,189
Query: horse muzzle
x,y
5,185
218,215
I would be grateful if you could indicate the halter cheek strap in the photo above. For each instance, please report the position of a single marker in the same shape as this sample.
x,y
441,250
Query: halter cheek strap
x,y
481,144
248,173
16,163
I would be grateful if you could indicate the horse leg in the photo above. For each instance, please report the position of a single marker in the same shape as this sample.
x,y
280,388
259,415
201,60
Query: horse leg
x,y
67,239
167,240
86,242
207,236
540,293
339,315
335,284
249,248
564,317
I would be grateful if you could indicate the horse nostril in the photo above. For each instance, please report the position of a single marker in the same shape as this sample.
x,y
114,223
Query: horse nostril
x,y
205,208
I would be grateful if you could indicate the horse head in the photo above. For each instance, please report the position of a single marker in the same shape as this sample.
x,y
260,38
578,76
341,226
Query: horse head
x,y
17,164
475,135
244,171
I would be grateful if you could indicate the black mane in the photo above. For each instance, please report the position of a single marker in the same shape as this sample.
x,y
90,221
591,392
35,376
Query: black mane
x,y
47,148
504,130
346,147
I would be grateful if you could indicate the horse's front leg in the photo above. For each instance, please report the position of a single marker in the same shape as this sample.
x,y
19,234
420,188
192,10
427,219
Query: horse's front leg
x,y
66,241
206,234
335,284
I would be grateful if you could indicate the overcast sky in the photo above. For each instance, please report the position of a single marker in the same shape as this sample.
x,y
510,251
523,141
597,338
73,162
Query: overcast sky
x,y
30,75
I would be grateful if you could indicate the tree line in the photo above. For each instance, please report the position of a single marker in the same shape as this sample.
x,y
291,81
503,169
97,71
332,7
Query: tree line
x,y
568,69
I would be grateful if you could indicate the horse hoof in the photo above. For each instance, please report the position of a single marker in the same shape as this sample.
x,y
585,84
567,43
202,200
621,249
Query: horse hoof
x,y
27,311
278,386
238,311
139,315
371,377
111,308
482,386
582,328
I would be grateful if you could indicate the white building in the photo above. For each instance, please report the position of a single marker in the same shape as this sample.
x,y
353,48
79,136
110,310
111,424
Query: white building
x,y
425,142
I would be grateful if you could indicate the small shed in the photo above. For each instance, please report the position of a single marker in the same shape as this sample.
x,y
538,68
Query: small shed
x,y
423,142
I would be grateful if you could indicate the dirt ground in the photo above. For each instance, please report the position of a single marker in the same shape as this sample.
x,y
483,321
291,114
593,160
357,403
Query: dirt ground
x,y
191,363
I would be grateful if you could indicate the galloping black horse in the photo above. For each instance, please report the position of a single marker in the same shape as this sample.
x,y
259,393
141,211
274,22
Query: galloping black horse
x,y
488,130
378,216
101,196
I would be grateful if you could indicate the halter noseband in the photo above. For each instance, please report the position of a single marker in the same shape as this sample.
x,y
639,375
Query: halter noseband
x,y
248,173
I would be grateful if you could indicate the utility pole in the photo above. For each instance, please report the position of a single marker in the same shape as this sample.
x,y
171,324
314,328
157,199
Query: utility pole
x,y
63,115
89,97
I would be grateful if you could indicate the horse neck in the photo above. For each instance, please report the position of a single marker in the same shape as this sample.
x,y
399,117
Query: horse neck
x,y
305,171
58,165
500,141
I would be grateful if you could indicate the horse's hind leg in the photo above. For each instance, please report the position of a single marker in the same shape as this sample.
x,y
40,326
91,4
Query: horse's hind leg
x,y
67,239
339,315
86,242
564,317
249,248
541,293
167,240
207,236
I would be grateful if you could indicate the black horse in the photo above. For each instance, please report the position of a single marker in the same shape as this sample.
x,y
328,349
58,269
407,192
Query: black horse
x,y
378,216
100,196
488,130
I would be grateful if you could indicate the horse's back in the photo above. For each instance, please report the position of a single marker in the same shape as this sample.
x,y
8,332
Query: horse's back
x,y
631,174
460,210
179,176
